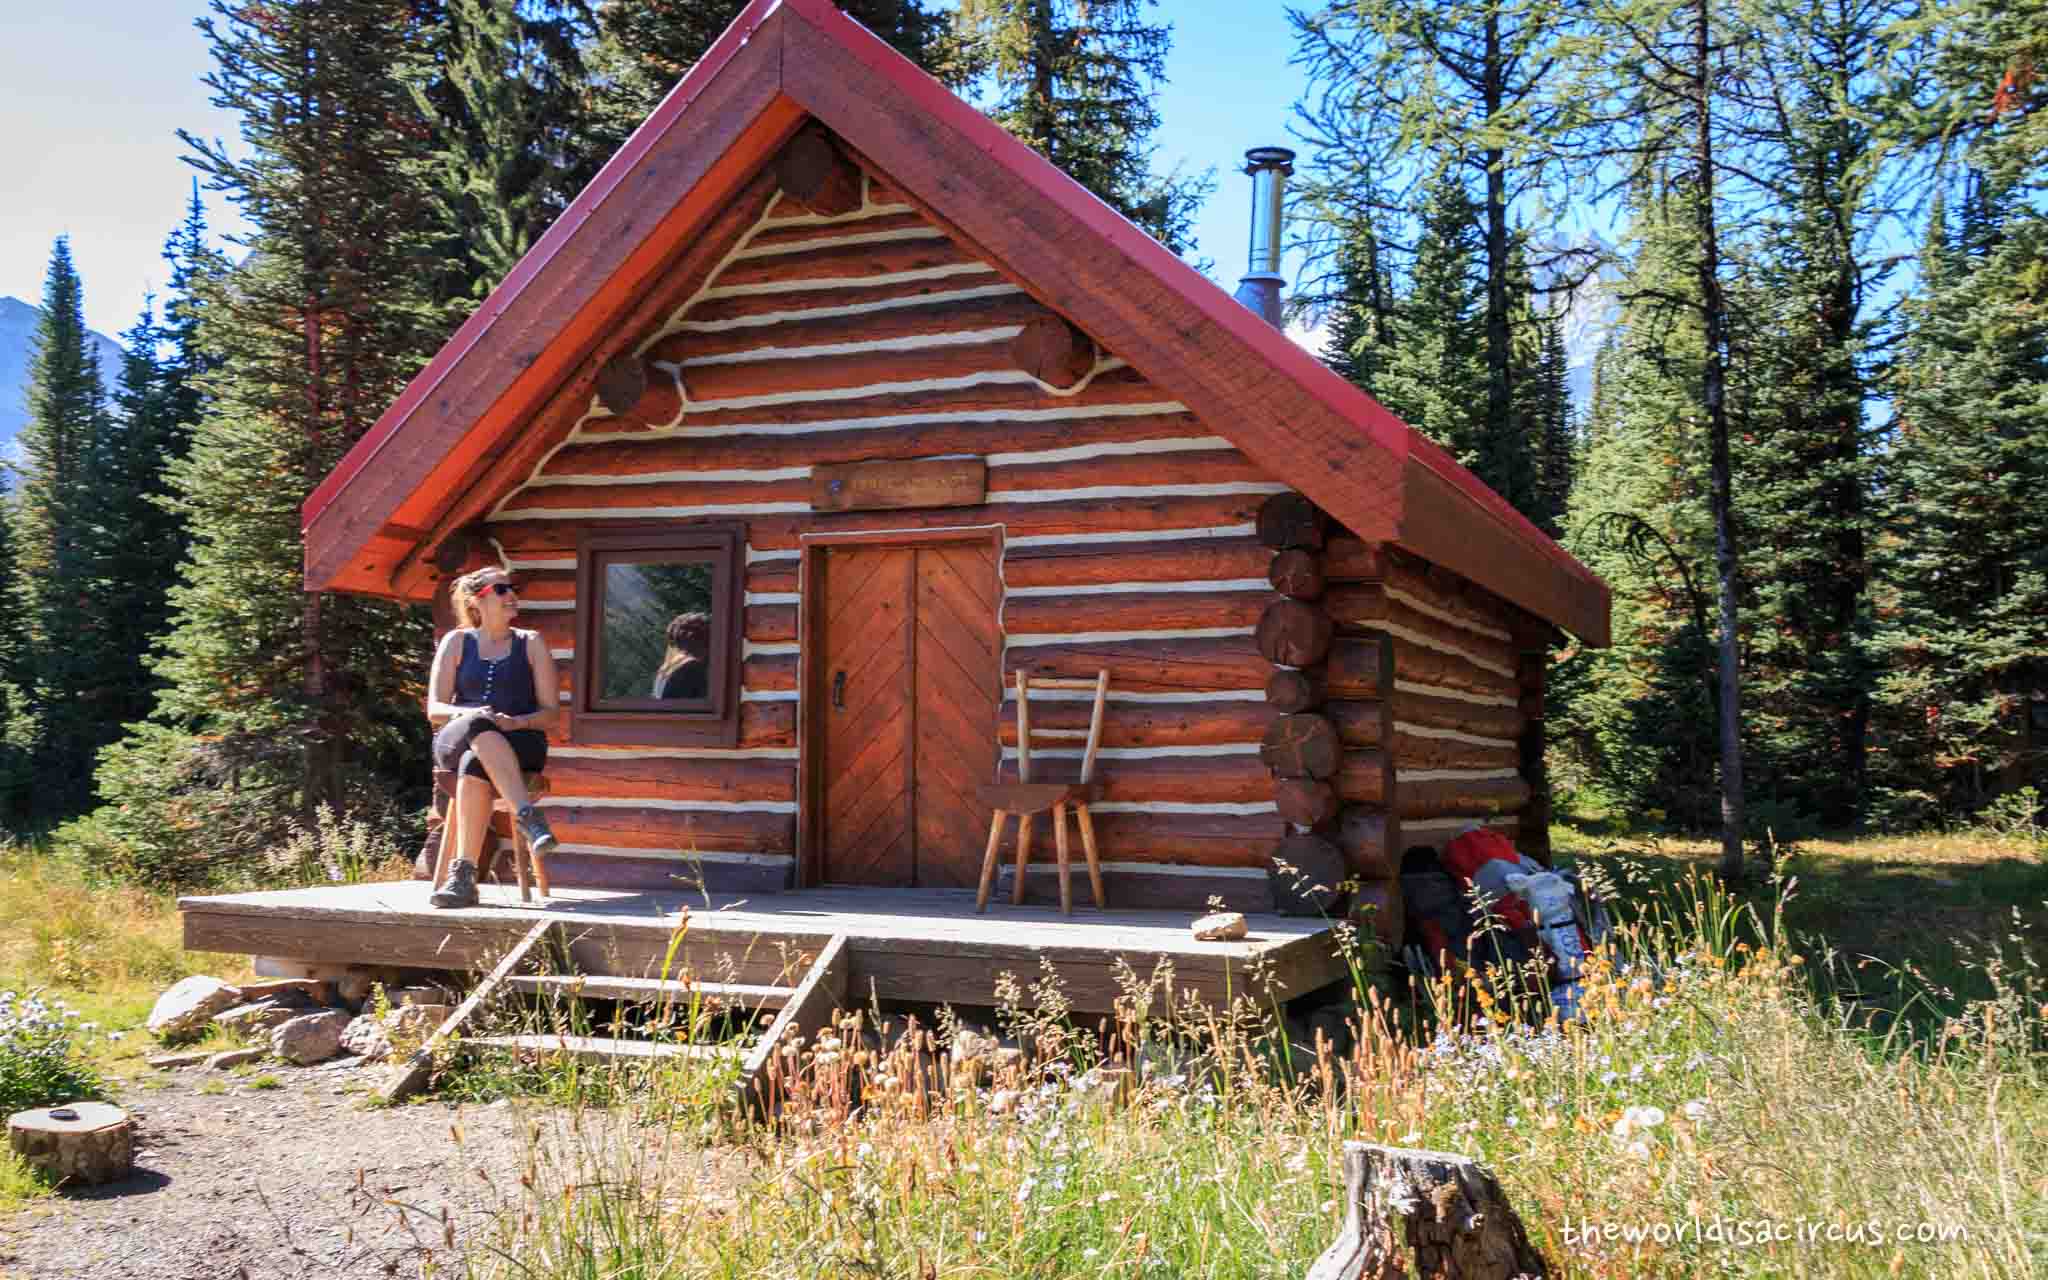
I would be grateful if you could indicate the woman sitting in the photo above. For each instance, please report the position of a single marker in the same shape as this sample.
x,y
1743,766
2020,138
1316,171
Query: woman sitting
x,y
494,695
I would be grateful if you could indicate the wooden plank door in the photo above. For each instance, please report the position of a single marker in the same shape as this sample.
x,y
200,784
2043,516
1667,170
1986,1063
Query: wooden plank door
x,y
910,685
869,612
958,691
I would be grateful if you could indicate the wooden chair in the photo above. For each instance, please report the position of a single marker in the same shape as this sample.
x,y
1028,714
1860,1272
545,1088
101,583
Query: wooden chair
x,y
1025,798
522,853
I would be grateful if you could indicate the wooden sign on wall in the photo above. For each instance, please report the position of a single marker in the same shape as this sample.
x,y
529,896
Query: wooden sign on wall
x,y
873,486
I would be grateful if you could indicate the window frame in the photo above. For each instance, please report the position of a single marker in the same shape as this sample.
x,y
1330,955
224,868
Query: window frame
x,y
616,722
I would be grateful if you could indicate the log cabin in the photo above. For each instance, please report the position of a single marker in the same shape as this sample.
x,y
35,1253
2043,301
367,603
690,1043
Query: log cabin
x,y
824,354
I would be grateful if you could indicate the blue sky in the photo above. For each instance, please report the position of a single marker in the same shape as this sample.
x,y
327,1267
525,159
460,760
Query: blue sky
x,y
91,97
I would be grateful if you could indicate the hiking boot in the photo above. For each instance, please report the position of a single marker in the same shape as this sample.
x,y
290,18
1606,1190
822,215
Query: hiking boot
x,y
460,891
534,825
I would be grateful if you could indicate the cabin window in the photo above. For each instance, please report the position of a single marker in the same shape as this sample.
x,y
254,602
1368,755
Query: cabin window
x,y
658,627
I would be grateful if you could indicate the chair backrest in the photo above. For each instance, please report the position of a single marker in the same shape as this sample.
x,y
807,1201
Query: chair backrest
x,y
1025,732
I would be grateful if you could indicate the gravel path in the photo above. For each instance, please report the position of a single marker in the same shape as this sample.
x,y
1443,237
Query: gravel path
x,y
296,1181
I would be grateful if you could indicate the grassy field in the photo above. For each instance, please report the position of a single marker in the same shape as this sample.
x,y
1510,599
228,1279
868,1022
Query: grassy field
x,y
1737,1075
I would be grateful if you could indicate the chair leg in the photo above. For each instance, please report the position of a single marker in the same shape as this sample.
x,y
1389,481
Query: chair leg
x,y
1059,841
540,871
519,862
988,861
1023,858
1088,847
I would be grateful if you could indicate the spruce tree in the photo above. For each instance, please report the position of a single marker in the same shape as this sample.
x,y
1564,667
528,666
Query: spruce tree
x,y
1462,88
503,86
291,694
1361,311
1964,598
1557,445
644,47
17,726
1435,378
1640,716
136,542
1077,79
63,652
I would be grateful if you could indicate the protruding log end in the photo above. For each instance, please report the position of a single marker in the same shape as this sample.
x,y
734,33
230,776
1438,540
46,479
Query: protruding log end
x,y
1288,520
621,383
1362,833
1292,691
811,171
1301,746
1053,351
1305,802
1293,634
1297,573
1307,872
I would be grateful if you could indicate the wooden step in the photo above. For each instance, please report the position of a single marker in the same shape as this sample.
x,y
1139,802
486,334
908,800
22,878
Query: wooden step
x,y
601,1047
651,990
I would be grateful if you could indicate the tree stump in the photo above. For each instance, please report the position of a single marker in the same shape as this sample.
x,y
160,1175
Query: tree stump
x,y
1429,1214
90,1142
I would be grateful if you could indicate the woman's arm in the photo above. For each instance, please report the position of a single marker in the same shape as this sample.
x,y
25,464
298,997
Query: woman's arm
x,y
547,688
441,683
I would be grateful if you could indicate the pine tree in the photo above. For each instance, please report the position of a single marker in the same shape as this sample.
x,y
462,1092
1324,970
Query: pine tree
x,y
17,726
1076,79
135,542
1640,716
505,89
291,694
645,46
63,652
1556,433
1361,311
1964,605
1458,88
1435,380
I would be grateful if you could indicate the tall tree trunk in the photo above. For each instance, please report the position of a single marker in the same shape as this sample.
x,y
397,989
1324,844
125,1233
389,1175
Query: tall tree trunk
x,y
1714,395
1499,388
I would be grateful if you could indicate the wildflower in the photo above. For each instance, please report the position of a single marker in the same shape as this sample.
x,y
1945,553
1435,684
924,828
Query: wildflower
x,y
1635,1120
1695,1111
1025,1189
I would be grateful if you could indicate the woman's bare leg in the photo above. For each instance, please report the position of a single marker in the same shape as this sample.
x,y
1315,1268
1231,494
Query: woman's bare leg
x,y
473,817
499,761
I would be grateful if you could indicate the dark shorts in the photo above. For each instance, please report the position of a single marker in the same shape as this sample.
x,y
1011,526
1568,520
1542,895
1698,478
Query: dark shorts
x,y
453,749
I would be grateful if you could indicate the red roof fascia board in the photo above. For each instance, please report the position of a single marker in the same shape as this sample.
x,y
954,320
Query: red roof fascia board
x,y
558,235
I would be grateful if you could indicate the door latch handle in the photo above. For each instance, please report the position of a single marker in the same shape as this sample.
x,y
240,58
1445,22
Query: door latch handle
x,y
839,691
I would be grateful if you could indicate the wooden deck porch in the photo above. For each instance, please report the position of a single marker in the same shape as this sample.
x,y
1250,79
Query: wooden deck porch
x,y
920,945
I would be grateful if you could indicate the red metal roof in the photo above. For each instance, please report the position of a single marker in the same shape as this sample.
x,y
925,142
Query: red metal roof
x,y
1278,403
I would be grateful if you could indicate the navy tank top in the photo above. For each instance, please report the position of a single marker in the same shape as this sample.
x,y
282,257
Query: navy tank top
x,y
505,685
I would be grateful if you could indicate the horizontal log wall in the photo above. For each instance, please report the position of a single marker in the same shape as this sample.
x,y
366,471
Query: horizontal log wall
x,y
1130,544
1463,664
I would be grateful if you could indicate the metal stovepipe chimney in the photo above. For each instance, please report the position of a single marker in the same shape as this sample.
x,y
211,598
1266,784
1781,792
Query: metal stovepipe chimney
x,y
1260,288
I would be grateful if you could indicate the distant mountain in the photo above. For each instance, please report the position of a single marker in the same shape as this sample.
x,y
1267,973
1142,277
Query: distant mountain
x,y
17,344
1591,309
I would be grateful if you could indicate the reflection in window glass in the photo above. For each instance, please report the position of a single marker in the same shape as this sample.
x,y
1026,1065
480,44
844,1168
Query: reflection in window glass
x,y
656,637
